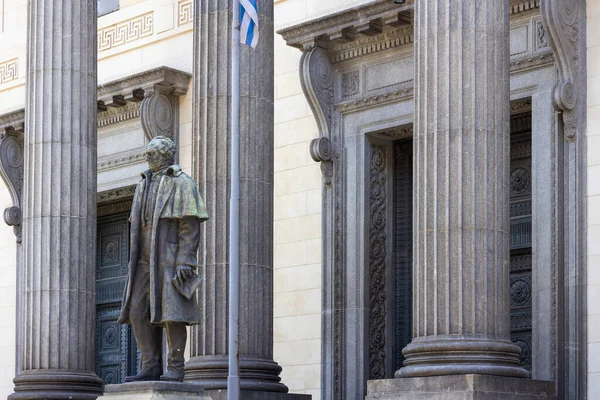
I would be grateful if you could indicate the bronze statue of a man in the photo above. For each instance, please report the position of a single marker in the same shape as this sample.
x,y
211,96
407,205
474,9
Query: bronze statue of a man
x,y
165,233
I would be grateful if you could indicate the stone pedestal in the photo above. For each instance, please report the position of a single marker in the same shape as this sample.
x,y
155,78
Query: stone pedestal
x,y
154,390
460,387
208,364
55,353
461,192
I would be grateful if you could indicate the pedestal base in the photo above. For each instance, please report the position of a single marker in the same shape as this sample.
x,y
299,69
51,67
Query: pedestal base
x,y
154,390
256,375
460,387
221,394
54,384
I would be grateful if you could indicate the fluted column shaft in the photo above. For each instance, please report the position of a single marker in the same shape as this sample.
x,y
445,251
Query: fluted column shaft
x,y
461,219
212,88
57,348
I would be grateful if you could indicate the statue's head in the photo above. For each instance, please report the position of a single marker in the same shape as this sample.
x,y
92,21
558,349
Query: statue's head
x,y
160,152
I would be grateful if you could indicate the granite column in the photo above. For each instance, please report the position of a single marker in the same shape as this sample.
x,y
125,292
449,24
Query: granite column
x,y
56,349
461,193
212,88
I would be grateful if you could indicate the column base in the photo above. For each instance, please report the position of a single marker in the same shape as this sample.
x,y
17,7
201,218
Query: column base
x,y
460,387
56,384
461,357
221,394
154,390
255,374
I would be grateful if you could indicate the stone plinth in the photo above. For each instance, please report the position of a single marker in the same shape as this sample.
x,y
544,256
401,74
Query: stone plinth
x,y
154,390
255,395
460,387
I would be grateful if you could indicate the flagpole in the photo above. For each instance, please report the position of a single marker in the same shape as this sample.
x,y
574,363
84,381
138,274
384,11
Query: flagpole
x,y
233,380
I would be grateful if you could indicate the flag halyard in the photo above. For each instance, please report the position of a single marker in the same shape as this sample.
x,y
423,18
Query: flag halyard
x,y
249,22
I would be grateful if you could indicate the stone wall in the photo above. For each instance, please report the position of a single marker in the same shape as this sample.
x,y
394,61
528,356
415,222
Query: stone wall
x,y
298,183
593,217
8,276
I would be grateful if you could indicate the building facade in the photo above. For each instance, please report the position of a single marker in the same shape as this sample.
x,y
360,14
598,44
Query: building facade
x,y
343,168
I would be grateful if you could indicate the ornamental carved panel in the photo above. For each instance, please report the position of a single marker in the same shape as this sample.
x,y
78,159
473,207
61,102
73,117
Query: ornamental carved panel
x,y
377,264
126,31
9,70
185,12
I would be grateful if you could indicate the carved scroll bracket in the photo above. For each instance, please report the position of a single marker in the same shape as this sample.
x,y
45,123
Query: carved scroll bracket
x,y
561,21
317,77
11,170
321,151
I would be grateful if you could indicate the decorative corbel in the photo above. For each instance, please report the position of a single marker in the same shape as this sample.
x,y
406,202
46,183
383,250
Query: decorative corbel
x,y
159,112
316,75
11,170
561,21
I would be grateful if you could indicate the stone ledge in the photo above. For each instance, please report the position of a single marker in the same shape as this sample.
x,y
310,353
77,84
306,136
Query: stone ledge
x,y
460,387
221,394
155,390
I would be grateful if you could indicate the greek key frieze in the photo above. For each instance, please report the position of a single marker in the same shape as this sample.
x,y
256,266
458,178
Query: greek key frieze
x,y
126,31
9,70
186,12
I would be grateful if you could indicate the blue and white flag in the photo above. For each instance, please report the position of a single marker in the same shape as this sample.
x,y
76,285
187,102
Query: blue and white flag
x,y
249,22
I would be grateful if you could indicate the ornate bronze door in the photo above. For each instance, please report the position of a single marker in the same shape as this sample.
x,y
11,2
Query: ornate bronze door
x,y
116,350
403,214
520,236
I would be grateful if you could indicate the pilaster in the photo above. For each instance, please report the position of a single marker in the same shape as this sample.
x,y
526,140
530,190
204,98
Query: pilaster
x,y
56,348
212,81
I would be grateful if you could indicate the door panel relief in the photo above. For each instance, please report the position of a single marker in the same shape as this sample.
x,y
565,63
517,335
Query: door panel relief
x,y
520,237
116,350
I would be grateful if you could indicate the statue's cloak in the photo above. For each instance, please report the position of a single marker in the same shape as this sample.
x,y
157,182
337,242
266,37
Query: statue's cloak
x,y
175,235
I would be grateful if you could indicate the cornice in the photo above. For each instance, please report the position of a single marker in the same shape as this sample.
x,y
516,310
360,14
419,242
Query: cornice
x,y
396,133
109,196
121,161
347,24
119,100
12,121
398,95
371,44
531,62
364,20
520,106
520,6
134,88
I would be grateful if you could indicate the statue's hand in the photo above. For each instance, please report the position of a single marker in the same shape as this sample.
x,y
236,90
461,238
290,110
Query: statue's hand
x,y
183,272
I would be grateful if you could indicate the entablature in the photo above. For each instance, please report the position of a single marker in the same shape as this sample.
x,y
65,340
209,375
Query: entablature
x,y
364,43
151,97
